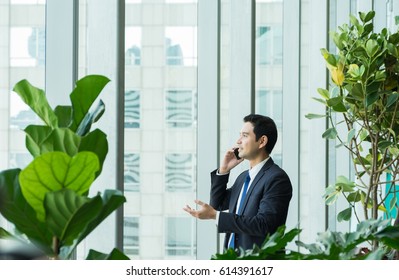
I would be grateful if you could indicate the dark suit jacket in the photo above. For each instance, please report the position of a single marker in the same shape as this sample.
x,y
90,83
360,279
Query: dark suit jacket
x,y
265,207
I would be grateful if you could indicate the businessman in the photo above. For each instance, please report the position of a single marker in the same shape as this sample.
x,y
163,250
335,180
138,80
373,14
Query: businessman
x,y
258,201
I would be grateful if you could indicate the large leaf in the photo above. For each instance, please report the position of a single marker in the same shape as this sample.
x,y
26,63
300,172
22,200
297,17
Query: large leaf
x,y
62,140
272,248
279,240
389,236
91,118
96,142
67,213
111,200
16,210
85,93
114,255
64,115
54,171
36,99
35,135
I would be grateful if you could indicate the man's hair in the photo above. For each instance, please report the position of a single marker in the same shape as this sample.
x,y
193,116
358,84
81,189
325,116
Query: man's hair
x,y
263,126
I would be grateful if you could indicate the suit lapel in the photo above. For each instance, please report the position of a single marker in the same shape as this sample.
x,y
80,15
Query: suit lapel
x,y
236,193
254,182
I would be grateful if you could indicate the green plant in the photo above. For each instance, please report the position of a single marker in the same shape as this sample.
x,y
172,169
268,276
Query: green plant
x,y
328,246
363,102
48,201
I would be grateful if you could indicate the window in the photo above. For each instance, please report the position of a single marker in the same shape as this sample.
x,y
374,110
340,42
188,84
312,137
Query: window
x,y
20,160
180,108
160,115
180,241
131,236
132,173
269,45
132,45
179,172
132,109
21,115
27,46
270,103
181,46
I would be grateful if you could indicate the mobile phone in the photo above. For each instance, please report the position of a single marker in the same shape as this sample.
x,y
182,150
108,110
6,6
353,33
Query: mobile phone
x,y
236,153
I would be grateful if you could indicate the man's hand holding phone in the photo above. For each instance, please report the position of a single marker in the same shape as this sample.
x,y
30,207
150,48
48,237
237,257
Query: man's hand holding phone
x,y
231,159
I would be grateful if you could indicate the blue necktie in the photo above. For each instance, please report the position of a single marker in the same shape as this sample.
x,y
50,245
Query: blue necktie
x,y
244,193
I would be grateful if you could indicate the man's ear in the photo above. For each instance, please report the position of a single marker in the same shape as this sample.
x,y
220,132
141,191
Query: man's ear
x,y
263,141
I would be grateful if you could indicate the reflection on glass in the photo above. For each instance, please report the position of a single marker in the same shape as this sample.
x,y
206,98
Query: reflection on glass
x,y
27,46
269,60
270,103
131,236
132,109
179,172
180,108
181,46
132,46
269,45
131,173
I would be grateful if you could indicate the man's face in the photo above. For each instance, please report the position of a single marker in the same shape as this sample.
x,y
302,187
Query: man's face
x,y
249,148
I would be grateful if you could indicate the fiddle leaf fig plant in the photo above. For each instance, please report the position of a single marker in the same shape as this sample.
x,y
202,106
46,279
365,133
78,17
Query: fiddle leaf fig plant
x,y
54,171
363,101
48,201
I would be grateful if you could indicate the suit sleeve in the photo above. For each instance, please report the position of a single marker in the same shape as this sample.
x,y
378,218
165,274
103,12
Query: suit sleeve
x,y
220,195
265,212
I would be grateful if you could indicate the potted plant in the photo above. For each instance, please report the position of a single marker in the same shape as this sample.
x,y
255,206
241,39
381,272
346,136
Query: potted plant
x,y
48,201
329,245
364,94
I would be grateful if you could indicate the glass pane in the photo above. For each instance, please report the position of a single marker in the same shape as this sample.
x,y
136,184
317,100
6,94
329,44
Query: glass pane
x,y
132,173
180,241
27,46
132,45
131,239
179,172
393,15
22,54
20,160
180,108
160,123
181,45
269,58
132,109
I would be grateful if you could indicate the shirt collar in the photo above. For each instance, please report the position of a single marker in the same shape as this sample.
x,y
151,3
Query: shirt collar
x,y
255,170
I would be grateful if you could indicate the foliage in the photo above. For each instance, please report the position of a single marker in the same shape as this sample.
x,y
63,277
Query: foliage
x,y
329,245
364,99
272,248
48,201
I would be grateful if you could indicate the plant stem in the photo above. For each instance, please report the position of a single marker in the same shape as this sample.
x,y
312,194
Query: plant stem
x,y
56,247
